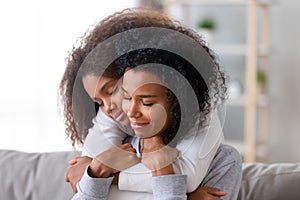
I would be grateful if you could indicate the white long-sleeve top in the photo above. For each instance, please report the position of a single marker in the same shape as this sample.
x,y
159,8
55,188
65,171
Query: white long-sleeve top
x,y
196,152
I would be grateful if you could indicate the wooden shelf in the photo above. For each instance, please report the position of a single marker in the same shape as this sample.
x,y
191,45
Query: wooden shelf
x,y
236,49
262,101
254,54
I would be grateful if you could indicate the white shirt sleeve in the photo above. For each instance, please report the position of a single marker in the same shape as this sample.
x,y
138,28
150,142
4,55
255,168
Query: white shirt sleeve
x,y
104,134
197,151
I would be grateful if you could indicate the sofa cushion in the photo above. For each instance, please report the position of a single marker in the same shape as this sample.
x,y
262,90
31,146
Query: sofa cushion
x,y
270,181
40,176
34,176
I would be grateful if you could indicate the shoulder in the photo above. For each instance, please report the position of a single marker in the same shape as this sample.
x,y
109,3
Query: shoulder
x,y
226,168
227,154
226,159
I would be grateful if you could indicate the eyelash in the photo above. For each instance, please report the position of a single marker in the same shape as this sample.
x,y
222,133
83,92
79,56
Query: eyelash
x,y
115,89
147,104
127,98
144,104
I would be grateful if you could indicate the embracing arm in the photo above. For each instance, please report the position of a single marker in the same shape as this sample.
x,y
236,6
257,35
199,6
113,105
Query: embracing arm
x,y
90,188
104,134
166,185
98,176
197,151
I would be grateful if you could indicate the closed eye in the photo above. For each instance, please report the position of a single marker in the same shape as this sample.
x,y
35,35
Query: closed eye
x,y
147,104
127,98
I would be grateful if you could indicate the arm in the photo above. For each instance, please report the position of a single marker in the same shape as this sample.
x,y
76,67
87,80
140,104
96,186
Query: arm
x,y
225,172
96,181
76,170
169,187
104,134
165,184
197,151
206,193
90,188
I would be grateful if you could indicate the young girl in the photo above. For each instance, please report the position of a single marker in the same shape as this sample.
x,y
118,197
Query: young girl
x,y
80,111
153,109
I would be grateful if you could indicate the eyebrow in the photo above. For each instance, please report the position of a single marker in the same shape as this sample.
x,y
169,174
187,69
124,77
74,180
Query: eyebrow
x,y
146,96
105,86
123,90
101,90
141,95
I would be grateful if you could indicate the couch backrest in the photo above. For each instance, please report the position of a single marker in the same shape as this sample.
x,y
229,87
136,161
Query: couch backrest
x,y
34,176
40,176
280,181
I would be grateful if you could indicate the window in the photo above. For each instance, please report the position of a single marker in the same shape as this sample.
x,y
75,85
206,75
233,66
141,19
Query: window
x,y
35,39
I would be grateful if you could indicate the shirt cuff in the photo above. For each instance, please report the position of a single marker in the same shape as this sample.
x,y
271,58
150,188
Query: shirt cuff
x,y
94,187
169,186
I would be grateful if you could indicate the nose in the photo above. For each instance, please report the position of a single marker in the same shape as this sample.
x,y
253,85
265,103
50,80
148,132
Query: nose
x,y
106,106
113,106
133,110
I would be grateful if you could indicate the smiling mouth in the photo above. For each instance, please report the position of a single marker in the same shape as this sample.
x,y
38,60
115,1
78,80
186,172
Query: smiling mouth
x,y
137,125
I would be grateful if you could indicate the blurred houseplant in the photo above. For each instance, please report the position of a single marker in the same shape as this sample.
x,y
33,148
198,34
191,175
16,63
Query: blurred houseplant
x,y
206,28
261,79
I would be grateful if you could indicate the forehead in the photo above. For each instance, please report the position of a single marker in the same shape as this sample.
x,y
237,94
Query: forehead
x,y
93,84
137,78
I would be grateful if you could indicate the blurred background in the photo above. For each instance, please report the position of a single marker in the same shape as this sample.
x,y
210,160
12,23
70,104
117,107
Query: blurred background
x,y
257,42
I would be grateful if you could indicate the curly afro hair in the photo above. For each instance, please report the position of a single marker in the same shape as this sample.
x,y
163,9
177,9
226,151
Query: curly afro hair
x,y
79,109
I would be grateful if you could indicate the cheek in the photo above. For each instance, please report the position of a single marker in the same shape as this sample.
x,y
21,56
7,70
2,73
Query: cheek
x,y
125,106
117,98
157,111
159,118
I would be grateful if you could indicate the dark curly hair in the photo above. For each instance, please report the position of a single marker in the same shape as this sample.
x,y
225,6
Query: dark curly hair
x,y
79,109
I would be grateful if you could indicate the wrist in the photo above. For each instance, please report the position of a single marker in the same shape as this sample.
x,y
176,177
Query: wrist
x,y
95,170
163,171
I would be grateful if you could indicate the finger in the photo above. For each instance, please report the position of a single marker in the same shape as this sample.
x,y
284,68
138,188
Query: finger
x,y
67,178
130,149
74,188
215,191
126,146
133,150
73,161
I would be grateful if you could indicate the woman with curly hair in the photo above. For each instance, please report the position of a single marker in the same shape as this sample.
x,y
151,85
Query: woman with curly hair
x,y
83,95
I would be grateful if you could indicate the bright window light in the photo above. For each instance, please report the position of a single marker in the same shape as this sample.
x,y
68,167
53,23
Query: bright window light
x,y
36,36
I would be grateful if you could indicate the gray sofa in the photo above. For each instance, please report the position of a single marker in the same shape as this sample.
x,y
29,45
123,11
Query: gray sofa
x,y
40,176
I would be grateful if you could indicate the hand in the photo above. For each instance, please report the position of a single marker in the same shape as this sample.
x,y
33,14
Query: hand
x,y
76,170
206,193
157,156
113,161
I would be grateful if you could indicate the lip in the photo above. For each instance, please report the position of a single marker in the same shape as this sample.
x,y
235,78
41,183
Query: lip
x,y
138,125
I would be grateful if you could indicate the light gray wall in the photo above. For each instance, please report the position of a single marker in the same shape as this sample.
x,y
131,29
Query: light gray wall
x,y
285,82
284,77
